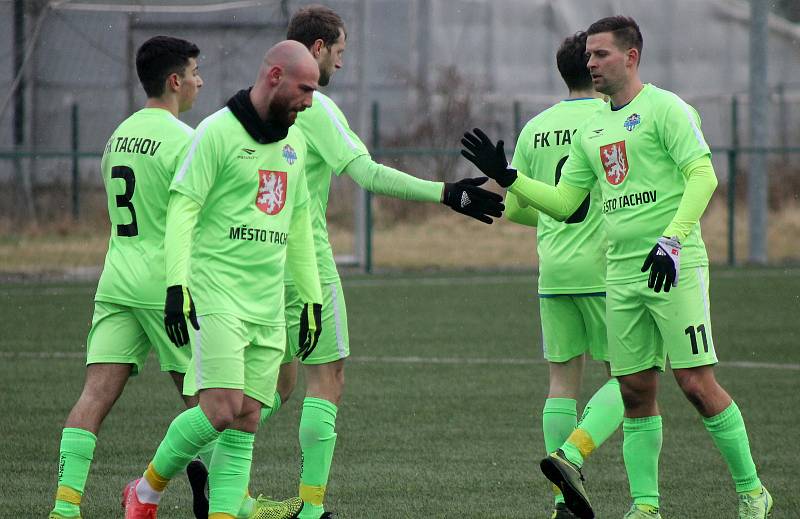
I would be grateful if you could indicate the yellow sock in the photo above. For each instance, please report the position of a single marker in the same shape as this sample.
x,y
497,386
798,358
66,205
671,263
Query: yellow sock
x,y
156,481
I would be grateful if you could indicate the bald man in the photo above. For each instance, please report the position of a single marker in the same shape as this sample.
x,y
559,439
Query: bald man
x,y
237,214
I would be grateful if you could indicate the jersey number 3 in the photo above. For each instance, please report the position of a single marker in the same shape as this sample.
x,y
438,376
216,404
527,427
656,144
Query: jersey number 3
x,y
124,200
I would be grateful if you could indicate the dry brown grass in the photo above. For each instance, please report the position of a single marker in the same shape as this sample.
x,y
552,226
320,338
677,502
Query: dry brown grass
x,y
439,240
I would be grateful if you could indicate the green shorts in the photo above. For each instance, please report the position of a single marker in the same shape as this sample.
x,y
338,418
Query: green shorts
x,y
334,342
125,335
233,354
573,324
645,328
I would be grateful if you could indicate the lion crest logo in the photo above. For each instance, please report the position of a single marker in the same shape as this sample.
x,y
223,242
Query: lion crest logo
x,y
615,162
271,196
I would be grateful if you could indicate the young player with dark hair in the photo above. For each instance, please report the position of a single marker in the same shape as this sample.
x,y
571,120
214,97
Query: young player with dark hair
x,y
137,166
648,154
572,283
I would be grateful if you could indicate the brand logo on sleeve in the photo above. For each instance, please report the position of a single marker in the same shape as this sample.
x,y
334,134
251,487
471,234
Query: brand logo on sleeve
x,y
615,162
271,196
289,154
632,121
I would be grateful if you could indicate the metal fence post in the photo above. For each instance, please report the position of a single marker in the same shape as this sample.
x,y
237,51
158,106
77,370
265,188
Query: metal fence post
x,y
376,143
517,107
732,207
76,208
732,153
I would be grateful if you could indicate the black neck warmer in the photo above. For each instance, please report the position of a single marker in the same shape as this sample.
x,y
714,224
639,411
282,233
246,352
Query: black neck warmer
x,y
262,131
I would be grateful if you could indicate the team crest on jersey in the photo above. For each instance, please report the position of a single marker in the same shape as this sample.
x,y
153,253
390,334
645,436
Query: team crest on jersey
x,y
615,162
289,154
632,121
271,196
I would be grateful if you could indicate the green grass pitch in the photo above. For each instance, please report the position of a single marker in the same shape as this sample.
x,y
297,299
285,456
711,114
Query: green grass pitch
x,y
441,415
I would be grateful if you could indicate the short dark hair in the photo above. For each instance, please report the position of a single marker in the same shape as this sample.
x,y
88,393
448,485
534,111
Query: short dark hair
x,y
159,57
315,22
571,59
625,30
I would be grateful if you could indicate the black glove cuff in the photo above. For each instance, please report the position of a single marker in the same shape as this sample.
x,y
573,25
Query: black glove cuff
x,y
507,178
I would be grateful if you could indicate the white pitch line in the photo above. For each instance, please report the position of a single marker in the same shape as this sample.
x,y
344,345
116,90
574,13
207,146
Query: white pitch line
x,y
524,361
457,361
424,280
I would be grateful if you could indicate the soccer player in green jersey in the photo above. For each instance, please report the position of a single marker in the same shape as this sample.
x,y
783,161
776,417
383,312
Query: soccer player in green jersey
x,y
237,217
137,167
572,285
648,154
333,148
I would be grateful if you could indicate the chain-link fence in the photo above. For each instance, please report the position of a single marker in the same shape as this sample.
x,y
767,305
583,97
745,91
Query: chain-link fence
x,y
434,68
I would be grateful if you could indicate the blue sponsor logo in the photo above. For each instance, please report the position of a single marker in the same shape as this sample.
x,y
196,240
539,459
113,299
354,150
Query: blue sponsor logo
x,y
632,121
289,154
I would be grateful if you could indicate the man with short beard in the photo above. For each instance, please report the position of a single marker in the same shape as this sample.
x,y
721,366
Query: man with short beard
x,y
333,148
237,215
648,154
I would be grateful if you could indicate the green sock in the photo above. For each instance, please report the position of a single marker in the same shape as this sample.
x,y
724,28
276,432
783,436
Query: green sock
x,y
267,412
188,433
317,440
75,457
207,453
640,449
229,474
730,436
559,418
601,417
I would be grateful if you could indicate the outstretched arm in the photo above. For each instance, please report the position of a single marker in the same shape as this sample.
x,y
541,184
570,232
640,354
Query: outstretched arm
x,y
463,196
520,212
558,201
385,180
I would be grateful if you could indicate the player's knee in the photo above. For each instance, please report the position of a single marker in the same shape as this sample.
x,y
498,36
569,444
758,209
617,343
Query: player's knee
x,y
95,398
248,420
220,419
636,396
693,387
223,415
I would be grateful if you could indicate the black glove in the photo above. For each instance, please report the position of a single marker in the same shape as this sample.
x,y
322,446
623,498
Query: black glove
x,y
467,198
490,158
178,307
310,329
664,262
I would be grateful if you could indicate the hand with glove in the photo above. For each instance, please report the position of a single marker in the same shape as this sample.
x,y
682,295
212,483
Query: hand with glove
x,y
310,329
178,308
467,198
488,157
664,262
